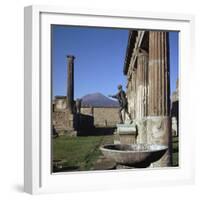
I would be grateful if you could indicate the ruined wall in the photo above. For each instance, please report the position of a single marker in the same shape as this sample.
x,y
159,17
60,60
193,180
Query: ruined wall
x,y
87,111
99,117
63,120
103,116
59,103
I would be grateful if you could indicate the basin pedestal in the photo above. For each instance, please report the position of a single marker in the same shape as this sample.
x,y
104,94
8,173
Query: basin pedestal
x,y
125,134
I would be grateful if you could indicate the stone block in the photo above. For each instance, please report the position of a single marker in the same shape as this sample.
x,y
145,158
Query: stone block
x,y
125,134
142,131
159,132
127,138
126,128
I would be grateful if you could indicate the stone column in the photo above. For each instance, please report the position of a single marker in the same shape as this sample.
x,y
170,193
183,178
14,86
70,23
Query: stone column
x,y
141,95
131,94
158,120
141,85
70,82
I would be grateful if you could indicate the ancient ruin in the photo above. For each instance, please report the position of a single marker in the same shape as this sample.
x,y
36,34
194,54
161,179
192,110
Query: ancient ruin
x,y
149,120
148,88
63,115
70,116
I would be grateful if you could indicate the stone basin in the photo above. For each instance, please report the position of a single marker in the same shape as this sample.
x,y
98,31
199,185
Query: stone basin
x,y
135,155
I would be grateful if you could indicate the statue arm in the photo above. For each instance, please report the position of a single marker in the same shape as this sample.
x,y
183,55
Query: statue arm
x,y
113,96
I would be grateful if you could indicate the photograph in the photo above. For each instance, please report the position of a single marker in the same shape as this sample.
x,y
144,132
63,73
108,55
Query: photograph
x,y
114,98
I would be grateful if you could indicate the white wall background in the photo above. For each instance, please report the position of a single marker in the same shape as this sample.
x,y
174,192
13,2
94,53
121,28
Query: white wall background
x,y
11,100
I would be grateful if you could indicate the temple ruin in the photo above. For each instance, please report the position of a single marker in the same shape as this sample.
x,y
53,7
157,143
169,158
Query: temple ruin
x,y
148,88
154,116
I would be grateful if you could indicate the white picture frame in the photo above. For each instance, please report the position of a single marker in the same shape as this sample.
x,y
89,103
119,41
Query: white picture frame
x,y
37,132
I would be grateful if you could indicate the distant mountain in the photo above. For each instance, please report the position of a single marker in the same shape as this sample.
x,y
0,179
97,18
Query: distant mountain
x,y
98,100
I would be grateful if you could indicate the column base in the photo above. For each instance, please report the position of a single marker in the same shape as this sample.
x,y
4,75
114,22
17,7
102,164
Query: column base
x,y
159,132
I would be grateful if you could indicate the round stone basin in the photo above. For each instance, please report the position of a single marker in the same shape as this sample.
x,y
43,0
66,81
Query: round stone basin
x,y
135,155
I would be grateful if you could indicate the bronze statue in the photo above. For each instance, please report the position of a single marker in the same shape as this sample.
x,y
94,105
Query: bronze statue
x,y
123,103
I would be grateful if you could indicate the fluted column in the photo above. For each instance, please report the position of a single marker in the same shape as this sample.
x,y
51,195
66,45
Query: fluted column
x,y
159,123
159,91
70,82
132,94
141,85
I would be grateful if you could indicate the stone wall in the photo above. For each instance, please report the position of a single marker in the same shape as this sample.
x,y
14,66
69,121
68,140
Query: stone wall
x,y
103,117
63,120
89,117
59,103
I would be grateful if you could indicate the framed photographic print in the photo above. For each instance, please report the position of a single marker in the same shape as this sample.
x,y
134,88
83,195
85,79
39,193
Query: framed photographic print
x,y
106,102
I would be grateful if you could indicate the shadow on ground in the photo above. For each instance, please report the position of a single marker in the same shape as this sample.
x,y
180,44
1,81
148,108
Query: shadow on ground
x,y
96,131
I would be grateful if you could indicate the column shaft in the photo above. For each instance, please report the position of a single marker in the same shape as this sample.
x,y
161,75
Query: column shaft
x,y
141,82
159,93
158,120
70,83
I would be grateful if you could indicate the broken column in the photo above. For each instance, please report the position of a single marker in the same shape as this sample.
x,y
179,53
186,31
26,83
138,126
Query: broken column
x,y
158,120
70,82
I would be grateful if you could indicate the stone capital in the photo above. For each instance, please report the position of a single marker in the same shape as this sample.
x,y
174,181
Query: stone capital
x,y
70,57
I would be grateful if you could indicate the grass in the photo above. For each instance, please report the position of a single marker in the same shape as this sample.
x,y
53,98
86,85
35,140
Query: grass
x,y
80,153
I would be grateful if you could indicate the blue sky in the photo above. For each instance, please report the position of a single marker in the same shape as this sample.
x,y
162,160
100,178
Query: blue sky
x,y
174,65
100,54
